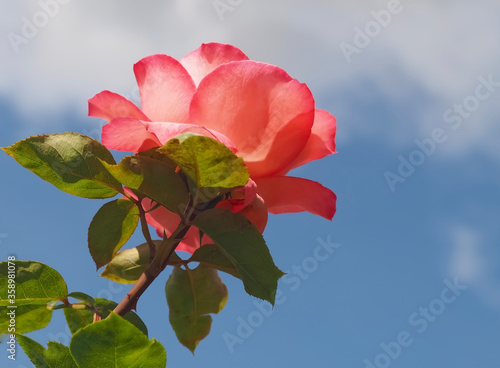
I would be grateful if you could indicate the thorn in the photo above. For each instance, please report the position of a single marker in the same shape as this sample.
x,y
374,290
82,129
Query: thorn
x,y
133,306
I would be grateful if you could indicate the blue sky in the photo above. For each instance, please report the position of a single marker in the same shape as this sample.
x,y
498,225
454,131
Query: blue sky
x,y
414,268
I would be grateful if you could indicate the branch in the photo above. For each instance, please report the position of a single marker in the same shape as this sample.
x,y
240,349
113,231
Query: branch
x,y
162,256
130,301
145,230
152,271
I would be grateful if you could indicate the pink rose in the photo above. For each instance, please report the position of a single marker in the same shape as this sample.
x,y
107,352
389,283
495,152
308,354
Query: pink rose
x,y
256,109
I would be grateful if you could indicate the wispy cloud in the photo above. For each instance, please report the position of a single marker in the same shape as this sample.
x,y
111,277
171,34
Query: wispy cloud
x,y
474,260
466,261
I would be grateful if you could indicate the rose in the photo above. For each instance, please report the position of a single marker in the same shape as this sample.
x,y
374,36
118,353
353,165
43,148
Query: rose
x,y
256,109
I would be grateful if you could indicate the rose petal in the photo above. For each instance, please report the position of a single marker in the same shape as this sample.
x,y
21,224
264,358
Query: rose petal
x,y
267,114
128,134
209,56
256,211
108,105
242,197
166,88
321,143
166,131
284,194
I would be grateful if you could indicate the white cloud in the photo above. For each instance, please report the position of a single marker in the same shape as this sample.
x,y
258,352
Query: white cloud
x,y
466,262
438,47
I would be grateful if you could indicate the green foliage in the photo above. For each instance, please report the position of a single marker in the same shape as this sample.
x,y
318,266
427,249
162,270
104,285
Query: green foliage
x,y
82,296
128,265
116,343
56,356
70,161
27,318
153,175
211,255
111,228
208,163
79,318
240,241
35,283
191,296
189,175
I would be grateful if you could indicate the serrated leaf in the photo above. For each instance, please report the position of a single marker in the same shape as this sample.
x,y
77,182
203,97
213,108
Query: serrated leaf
x,y
27,318
240,241
152,175
35,283
69,161
56,356
111,228
128,265
212,256
116,343
79,318
209,163
191,296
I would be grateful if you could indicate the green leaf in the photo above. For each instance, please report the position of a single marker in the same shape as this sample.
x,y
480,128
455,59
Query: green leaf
x,y
27,318
212,256
111,228
152,175
116,343
191,296
34,283
240,241
56,356
83,297
128,265
79,318
209,163
70,161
